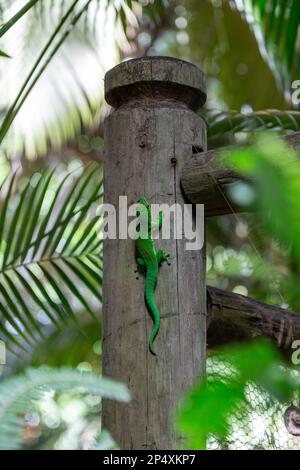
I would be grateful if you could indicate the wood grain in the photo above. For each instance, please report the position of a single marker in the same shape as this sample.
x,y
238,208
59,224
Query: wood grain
x,y
233,318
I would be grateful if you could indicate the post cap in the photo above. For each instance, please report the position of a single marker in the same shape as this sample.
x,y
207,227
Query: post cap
x,y
156,78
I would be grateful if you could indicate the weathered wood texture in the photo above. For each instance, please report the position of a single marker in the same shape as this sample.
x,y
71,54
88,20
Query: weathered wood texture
x,y
206,179
233,317
148,137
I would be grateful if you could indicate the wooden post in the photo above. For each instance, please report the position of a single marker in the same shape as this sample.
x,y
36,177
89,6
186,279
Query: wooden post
x,y
149,135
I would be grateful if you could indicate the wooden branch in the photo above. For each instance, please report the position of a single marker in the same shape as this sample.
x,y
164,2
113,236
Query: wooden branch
x,y
206,179
233,317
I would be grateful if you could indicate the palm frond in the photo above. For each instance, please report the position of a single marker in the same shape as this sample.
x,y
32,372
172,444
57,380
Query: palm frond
x,y
18,393
4,54
63,50
47,267
44,58
276,26
4,28
219,123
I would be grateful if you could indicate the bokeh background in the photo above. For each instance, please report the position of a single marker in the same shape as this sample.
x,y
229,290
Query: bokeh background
x,y
52,109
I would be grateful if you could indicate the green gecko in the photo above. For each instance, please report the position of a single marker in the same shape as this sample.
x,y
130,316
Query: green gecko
x,y
148,261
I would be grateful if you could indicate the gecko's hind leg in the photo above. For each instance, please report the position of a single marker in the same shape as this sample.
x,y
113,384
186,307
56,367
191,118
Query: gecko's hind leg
x,y
141,266
162,257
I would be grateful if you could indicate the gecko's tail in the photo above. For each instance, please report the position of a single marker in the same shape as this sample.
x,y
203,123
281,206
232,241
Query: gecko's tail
x,y
153,336
149,294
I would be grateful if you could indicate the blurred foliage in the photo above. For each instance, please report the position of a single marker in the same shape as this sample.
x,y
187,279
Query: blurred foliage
x,y
221,402
16,17
221,123
278,22
71,347
53,105
24,400
218,37
274,169
63,49
50,24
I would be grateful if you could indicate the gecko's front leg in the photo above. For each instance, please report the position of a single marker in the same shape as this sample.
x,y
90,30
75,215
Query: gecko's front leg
x,y
162,257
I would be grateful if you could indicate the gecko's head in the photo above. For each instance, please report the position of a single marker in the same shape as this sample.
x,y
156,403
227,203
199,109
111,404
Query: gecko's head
x,y
144,202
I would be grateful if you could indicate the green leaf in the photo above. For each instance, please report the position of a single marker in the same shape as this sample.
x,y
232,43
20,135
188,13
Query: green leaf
x,y
67,207
62,297
35,205
73,288
36,72
274,169
5,206
36,299
3,54
14,317
45,222
276,23
20,301
17,16
268,119
74,106
12,232
83,213
213,405
84,275
40,288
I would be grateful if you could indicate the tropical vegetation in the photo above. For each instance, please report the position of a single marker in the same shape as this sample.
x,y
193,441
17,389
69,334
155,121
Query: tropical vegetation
x,y
53,57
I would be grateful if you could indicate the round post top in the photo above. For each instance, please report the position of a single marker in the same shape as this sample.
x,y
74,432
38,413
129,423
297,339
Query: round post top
x,y
156,78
